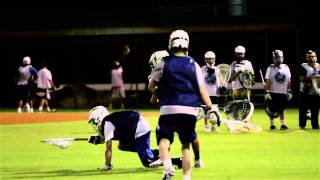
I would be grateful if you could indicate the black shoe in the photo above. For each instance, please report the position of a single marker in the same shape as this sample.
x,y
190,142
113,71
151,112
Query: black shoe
x,y
177,162
315,127
272,127
302,128
283,127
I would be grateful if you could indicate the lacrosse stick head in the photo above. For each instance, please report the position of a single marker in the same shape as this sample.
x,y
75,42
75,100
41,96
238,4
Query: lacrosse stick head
x,y
246,79
239,110
224,75
242,127
316,83
271,112
61,143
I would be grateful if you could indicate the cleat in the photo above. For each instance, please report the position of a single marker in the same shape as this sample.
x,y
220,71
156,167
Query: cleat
x,y
207,129
215,129
198,164
283,127
168,175
177,162
156,163
272,127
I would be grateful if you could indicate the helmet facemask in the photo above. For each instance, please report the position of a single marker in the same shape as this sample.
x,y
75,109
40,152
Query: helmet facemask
x,y
96,116
311,57
210,58
240,53
277,57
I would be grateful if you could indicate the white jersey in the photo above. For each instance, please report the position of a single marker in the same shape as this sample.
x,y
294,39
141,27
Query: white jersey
x,y
279,77
44,78
309,71
211,80
247,66
143,127
116,77
25,75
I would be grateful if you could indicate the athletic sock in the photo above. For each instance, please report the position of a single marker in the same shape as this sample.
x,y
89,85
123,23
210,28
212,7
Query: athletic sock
x,y
167,164
196,155
282,121
186,177
272,122
19,110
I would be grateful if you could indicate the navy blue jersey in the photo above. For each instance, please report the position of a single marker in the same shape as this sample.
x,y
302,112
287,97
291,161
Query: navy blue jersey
x,y
178,84
125,123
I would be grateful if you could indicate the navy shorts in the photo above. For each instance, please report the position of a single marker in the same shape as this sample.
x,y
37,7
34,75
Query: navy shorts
x,y
278,102
23,92
183,124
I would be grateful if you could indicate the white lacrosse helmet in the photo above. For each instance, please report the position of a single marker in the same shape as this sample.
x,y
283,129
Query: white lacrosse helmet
x,y
96,115
210,58
239,49
277,56
157,57
26,60
179,39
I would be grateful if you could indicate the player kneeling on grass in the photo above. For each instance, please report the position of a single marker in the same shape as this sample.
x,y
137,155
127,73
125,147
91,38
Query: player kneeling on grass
x,y
130,129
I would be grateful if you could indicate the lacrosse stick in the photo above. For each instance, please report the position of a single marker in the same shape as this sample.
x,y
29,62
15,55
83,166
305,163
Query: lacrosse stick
x,y
246,80
62,143
234,126
316,83
224,77
262,79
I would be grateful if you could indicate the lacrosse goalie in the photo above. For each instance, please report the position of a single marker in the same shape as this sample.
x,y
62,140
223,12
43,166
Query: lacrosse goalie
x,y
130,129
211,83
278,89
238,115
309,91
242,75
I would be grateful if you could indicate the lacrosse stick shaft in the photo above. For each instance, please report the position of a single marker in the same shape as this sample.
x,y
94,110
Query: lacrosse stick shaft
x,y
80,139
262,78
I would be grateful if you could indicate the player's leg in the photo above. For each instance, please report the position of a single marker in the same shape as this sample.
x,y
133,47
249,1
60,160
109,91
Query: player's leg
x,y
165,134
315,112
303,108
282,100
186,130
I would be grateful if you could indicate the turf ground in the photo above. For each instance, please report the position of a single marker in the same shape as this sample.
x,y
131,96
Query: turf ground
x,y
291,154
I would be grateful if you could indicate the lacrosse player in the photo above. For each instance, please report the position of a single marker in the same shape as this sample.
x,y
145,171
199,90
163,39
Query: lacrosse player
x,y
26,81
117,89
155,59
44,85
242,75
278,89
130,129
309,91
180,89
211,83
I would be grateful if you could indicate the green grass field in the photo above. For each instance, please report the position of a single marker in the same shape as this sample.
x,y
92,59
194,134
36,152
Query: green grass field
x,y
291,154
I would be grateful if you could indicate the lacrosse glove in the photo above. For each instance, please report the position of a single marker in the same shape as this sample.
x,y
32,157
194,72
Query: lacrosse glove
x,y
106,167
267,96
289,95
96,140
213,114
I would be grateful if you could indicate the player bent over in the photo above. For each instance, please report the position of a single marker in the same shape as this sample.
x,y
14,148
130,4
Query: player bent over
x,y
130,129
